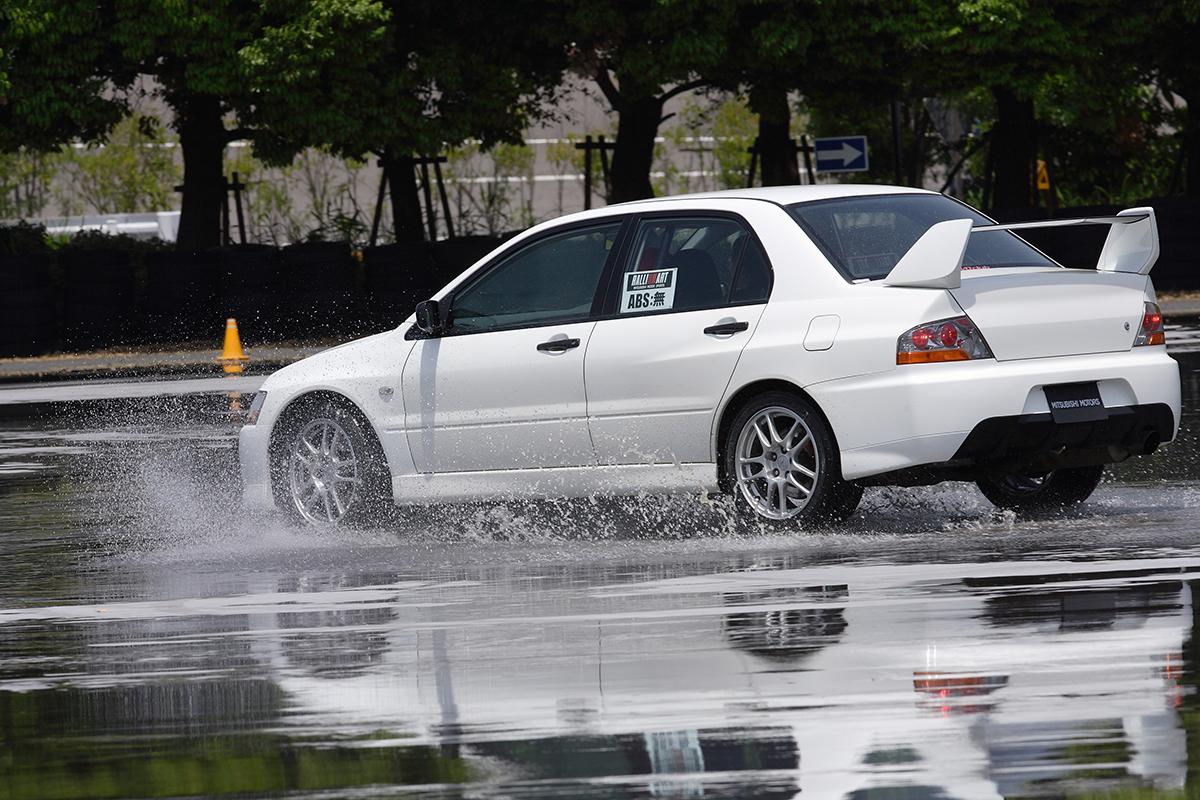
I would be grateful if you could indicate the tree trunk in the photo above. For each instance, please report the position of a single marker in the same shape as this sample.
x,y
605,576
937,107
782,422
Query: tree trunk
x,y
776,150
406,205
920,124
1014,149
633,156
1191,145
202,138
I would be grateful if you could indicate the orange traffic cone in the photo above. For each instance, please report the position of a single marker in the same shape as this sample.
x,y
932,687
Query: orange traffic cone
x,y
232,354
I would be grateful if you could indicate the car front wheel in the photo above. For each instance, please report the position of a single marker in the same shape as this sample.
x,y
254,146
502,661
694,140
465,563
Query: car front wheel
x,y
783,464
330,468
1042,493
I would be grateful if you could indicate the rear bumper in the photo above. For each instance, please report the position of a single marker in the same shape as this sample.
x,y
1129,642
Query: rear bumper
x,y
1136,430
920,415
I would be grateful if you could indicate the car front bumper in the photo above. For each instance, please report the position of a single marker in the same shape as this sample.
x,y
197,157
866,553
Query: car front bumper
x,y
254,455
919,415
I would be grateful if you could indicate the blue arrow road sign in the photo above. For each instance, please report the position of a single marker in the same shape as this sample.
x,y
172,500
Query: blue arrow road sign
x,y
841,154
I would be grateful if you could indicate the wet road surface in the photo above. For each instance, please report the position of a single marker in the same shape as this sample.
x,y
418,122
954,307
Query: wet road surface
x,y
155,641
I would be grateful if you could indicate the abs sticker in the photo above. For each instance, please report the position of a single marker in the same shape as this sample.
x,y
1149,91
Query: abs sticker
x,y
653,290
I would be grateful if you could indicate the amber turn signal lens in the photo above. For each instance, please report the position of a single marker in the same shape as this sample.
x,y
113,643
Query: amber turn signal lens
x,y
928,356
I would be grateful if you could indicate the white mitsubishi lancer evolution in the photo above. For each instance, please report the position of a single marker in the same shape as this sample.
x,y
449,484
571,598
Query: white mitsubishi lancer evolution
x,y
787,345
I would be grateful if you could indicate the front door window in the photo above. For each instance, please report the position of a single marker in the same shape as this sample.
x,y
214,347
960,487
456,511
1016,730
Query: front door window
x,y
551,281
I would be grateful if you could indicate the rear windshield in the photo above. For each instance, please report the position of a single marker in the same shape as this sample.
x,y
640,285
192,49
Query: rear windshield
x,y
864,237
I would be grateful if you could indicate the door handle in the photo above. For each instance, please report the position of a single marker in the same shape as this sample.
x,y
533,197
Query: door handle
x,y
558,345
726,328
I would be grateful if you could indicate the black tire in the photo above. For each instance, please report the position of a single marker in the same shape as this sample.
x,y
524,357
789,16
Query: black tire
x,y
1057,491
831,499
371,497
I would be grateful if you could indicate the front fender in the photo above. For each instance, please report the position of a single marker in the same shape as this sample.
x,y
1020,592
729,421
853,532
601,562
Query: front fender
x,y
366,372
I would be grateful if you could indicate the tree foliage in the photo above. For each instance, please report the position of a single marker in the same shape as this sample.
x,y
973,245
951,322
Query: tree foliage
x,y
1173,32
396,79
642,54
1097,88
133,169
25,177
53,76
767,59
368,77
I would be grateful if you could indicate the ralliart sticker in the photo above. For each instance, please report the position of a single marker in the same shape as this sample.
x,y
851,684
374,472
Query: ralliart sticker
x,y
652,290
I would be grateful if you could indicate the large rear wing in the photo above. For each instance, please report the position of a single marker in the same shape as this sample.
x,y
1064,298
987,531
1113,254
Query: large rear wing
x,y
935,260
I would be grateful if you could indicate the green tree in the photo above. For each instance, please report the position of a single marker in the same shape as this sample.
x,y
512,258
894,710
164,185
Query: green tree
x,y
55,89
1012,47
733,129
866,56
642,53
1170,43
415,82
493,191
25,177
73,67
1017,50
201,57
999,60
133,169
766,58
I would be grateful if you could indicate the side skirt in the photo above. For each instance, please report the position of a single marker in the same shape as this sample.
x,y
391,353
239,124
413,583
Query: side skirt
x,y
535,484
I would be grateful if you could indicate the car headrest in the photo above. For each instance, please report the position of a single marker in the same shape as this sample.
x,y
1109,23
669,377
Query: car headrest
x,y
698,284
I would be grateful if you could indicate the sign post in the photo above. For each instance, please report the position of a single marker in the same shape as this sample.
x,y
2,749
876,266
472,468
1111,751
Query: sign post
x,y
841,154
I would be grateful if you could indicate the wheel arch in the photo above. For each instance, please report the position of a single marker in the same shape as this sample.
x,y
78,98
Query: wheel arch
x,y
738,400
297,405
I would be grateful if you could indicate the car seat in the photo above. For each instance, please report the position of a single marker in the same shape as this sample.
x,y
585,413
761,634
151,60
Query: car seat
x,y
697,282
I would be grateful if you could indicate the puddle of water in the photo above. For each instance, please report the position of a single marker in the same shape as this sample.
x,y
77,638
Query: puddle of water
x,y
156,641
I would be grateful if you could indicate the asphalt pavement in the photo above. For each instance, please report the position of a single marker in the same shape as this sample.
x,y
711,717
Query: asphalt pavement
x,y
158,641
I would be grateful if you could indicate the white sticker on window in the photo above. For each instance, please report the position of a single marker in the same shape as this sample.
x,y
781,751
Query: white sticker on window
x,y
652,290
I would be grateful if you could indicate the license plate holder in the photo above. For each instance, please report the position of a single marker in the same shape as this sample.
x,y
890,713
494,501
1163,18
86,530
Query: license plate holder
x,y
1076,402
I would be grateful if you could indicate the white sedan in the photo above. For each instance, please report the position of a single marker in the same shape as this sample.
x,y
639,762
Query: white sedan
x,y
788,345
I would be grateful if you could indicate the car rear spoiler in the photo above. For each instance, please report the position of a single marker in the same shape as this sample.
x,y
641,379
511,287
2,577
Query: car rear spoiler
x,y
935,260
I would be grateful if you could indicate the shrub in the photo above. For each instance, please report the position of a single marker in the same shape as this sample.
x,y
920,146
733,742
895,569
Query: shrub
x,y
21,239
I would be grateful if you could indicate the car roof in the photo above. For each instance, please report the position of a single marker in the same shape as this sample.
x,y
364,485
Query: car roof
x,y
786,195
781,195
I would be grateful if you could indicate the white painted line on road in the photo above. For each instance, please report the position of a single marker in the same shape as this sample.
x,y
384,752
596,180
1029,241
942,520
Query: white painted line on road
x,y
94,390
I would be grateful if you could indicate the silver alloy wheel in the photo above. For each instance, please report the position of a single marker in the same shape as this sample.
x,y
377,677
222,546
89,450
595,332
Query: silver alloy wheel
x,y
777,463
323,471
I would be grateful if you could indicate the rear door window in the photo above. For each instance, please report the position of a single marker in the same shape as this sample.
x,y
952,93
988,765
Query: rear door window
x,y
865,237
551,281
692,263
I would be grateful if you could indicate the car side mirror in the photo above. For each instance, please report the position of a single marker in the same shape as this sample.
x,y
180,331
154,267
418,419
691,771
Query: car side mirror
x,y
429,317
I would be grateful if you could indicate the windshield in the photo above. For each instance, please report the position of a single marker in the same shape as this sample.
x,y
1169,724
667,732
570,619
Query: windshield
x,y
864,237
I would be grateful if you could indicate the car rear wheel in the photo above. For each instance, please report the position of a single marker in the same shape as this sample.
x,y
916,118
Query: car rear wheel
x,y
783,466
1040,493
330,469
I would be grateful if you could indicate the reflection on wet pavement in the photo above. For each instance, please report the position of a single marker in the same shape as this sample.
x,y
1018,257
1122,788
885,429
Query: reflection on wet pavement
x,y
156,642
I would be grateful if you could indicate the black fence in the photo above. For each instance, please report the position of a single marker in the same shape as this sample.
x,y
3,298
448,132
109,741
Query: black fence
x,y
80,299
1178,218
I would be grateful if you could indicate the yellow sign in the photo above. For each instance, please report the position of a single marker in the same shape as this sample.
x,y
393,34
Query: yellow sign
x,y
1043,178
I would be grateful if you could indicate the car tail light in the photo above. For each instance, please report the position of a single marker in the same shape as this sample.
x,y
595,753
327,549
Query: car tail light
x,y
955,339
1151,331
